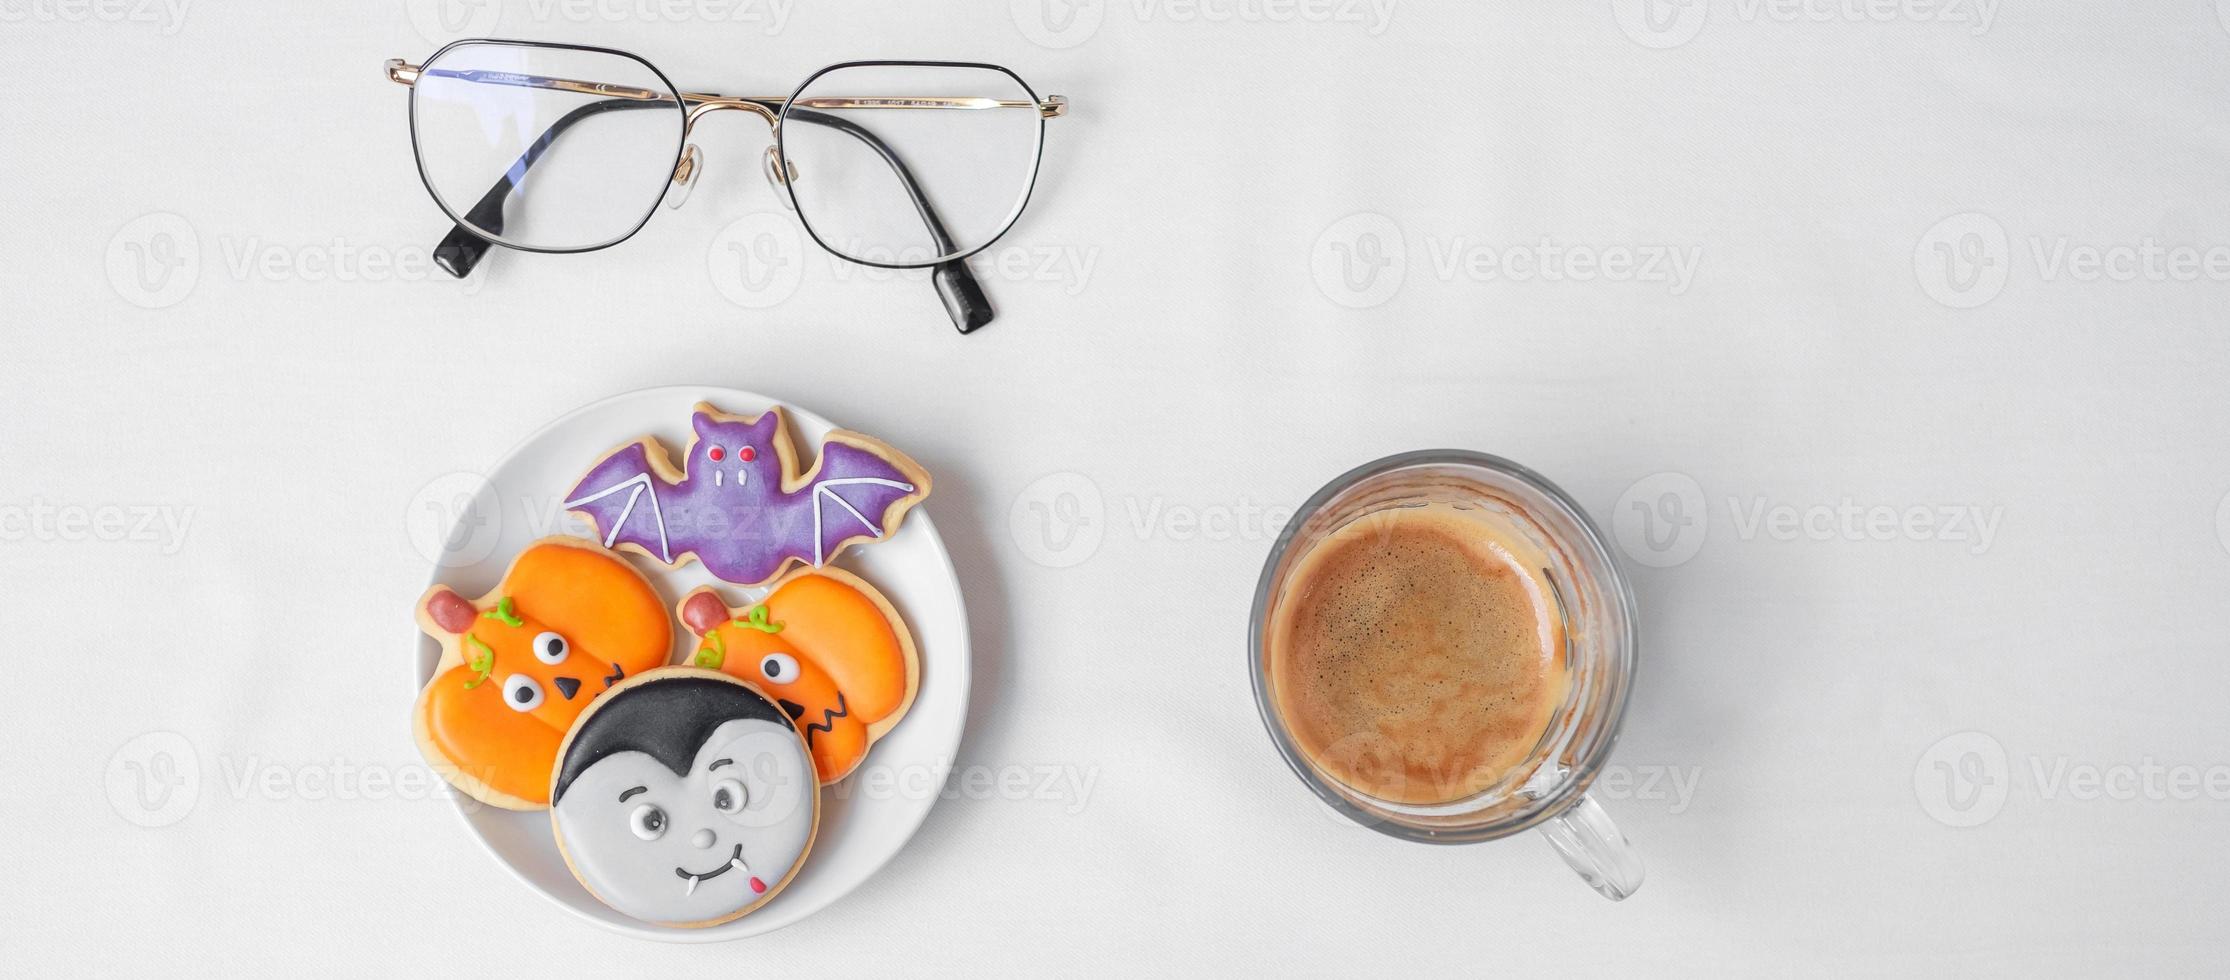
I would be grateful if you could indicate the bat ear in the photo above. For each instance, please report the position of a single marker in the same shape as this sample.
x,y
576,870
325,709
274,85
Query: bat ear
x,y
768,425
703,611
449,611
700,421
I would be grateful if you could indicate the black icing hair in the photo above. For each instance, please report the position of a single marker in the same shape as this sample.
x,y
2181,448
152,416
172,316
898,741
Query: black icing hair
x,y
667,719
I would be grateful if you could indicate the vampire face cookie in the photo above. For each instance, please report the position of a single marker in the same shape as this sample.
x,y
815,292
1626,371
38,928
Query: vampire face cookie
x,y
827,647
684,797
519,664
740,503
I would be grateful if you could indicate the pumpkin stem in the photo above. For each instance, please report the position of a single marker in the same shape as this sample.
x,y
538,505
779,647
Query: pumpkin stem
x,y
757,619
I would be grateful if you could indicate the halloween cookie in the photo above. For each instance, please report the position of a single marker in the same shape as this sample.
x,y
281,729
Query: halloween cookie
x,y
684,797
740,503
519,664
827,647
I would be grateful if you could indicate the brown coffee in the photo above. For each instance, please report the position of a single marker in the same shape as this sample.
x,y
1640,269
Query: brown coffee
x,y
1417,653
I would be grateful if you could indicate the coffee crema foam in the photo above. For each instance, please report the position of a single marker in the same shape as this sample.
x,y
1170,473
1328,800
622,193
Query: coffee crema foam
x,y
1417,654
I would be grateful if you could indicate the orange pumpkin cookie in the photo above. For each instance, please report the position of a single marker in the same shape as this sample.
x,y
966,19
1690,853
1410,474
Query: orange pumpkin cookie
x,y
829,650
519,664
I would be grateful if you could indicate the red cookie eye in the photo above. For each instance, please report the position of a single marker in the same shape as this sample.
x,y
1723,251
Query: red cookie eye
x,y
716,453
747,454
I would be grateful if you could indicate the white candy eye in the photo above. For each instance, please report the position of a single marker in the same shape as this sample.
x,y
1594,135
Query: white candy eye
x,y
728,796
522,693
779,668
550,648
648,822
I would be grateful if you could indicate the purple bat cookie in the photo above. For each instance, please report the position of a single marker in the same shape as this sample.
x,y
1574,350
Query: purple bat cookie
x,y
739,503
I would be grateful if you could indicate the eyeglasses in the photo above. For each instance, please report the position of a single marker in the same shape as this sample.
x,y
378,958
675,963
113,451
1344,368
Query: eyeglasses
x,y
894,164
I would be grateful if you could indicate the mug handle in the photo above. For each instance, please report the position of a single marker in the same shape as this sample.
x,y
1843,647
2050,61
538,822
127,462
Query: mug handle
x,y
1587,840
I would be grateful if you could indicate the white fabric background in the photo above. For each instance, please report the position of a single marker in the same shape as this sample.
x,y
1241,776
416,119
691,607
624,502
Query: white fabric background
x,y
303,384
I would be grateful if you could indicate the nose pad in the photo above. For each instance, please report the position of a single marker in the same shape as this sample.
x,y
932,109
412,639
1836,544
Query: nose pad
x,y
702,838
779,174
685,176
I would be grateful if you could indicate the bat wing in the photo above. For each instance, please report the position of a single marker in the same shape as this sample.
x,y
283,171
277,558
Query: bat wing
x,y
620,497
857,494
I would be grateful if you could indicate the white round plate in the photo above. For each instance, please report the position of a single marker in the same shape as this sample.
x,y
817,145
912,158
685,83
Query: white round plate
x,y
866,818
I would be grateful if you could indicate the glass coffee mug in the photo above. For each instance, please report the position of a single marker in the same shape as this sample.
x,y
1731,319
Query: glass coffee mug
x,y
1548,788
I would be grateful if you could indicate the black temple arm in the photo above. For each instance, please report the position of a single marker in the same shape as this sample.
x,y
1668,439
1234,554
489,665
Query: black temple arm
x,y
957,287
462,248
459,251
962,294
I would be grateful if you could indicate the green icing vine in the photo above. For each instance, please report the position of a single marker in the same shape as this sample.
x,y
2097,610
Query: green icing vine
x,y
502,613
756,619
713,653
482,661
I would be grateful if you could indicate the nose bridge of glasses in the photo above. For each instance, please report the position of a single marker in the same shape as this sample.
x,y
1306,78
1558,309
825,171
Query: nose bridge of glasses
x,y
701,105
779,174
685,176
691,165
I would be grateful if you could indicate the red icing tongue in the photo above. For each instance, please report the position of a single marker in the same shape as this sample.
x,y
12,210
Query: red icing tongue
x,y
758,887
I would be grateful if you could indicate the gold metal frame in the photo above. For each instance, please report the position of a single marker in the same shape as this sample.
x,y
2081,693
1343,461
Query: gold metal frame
x,y
714,103
963,298
767,106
